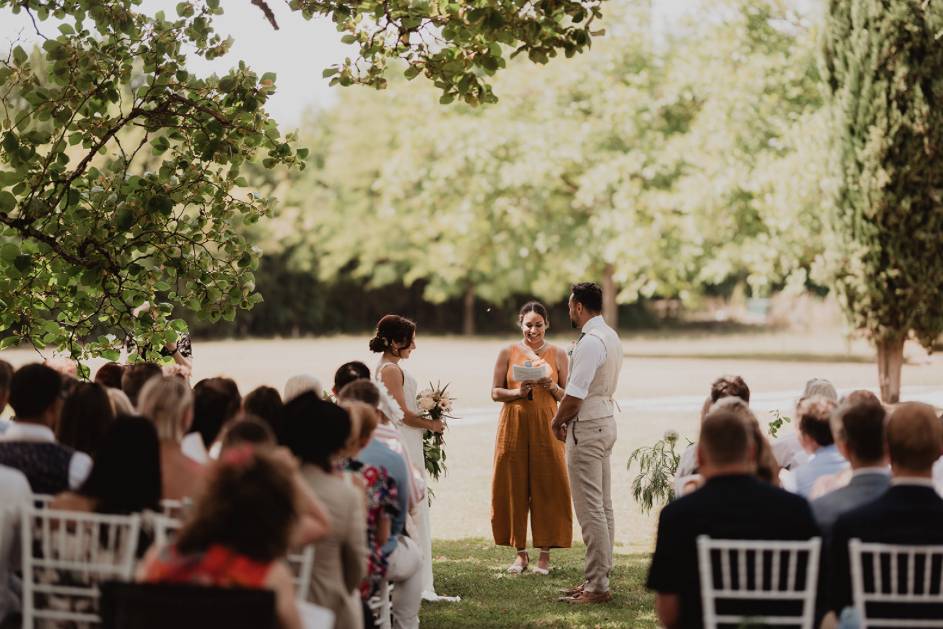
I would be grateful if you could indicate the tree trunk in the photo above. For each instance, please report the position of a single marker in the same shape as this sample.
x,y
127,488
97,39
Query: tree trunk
x,y
610,309
468,315
890,361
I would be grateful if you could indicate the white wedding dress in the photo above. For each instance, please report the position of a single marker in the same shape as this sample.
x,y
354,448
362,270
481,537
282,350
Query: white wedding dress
x,y
412,439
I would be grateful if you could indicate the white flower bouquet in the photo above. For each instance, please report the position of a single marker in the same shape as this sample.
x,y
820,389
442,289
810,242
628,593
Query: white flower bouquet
x,y
436,404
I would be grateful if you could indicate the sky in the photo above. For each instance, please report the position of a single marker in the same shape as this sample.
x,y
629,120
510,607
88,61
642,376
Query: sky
x,y
298,52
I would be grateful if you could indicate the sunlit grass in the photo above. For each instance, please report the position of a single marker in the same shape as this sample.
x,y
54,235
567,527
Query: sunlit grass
x,y
475,570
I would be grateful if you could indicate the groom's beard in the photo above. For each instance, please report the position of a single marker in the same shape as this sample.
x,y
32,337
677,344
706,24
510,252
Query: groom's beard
x,y
574,324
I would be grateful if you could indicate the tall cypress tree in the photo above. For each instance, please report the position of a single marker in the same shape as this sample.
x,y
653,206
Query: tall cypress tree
x,y
884,77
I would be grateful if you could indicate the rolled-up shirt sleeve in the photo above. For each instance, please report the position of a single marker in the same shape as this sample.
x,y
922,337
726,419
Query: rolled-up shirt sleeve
x,y
588,356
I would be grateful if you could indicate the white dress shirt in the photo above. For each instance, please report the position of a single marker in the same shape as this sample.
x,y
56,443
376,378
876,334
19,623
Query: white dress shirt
x,y
14,495
588,355
79,466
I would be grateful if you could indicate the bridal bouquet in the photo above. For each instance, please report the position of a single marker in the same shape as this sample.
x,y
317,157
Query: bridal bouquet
x,y
435,403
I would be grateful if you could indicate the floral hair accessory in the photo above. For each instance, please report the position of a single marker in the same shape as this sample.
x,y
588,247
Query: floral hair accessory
x,y
237,457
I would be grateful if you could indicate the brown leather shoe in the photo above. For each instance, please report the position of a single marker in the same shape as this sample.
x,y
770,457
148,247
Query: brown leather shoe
x,y
573,591
589,598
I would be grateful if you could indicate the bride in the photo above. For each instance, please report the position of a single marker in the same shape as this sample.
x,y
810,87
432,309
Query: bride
x,y
396,340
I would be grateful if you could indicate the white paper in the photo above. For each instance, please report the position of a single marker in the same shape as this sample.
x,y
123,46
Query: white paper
x,y
523,373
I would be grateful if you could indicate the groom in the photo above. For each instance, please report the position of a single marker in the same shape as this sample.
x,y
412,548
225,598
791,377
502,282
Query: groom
x,y
585,422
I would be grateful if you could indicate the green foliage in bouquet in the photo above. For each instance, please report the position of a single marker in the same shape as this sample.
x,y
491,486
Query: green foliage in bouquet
x,y
779,420
436,404
654,483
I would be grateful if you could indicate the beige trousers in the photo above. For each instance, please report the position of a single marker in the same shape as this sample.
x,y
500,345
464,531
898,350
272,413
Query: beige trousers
x,y
588,448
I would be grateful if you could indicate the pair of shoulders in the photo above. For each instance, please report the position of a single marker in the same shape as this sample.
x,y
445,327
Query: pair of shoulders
x,y
741,500
898,514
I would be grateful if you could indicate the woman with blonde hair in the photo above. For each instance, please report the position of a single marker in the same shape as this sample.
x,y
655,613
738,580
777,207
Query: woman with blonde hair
x,y
168,403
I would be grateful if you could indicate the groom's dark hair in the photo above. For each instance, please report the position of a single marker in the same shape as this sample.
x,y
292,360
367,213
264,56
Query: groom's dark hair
x,y
589,294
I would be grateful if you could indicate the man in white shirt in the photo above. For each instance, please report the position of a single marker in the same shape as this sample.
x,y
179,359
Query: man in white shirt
x,y
14,495
585,421
30,444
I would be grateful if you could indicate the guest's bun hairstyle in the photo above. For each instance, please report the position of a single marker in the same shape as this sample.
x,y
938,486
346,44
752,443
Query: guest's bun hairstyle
x,y
725,438
348,372
589,294
914,437
534,306
248,506
392,329
730,386
315,430
815,414
34,388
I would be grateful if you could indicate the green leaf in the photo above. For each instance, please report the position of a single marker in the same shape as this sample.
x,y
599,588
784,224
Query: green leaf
x,y
9,251
19,56
7,201
329,72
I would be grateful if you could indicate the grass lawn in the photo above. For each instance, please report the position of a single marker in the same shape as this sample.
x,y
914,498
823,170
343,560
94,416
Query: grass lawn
x,y
474,570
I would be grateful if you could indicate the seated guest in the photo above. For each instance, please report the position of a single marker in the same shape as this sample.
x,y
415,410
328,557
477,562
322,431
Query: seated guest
x,y
786,447
909,512
216,401
30,444
168,403
14,495
238,533
109,375
265,403
831,482
304,383
125,477
86,415
317,432
767,469
733,504
815,433
347,373
722,387
249,430
387,434
398,557
859,436
135,376
6,374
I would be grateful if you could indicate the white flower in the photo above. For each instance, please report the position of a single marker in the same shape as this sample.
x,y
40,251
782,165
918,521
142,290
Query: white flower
x,y
426,393
426,403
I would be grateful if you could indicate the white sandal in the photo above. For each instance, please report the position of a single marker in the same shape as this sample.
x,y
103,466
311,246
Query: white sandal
x,y
542,571
518,568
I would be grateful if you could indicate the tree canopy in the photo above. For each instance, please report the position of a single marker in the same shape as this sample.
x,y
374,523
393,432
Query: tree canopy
x,y
123,174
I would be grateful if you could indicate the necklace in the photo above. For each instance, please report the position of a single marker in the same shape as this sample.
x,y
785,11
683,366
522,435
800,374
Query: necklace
x,y
536,351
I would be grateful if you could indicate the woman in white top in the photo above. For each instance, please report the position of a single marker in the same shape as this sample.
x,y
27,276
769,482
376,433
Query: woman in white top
x,y
396,340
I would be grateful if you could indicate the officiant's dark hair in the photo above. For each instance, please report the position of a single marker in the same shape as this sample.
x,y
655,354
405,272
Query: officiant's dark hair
x,y
392,328
589,294
534,306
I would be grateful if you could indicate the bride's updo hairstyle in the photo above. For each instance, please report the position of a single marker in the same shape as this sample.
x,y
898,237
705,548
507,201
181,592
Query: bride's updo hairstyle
x,y
534,306
392,329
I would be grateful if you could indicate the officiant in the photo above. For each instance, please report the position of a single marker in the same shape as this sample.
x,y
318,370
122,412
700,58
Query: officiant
x,y
530,477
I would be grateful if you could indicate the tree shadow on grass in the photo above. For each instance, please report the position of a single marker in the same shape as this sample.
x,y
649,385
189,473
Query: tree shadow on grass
x,y
475,570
